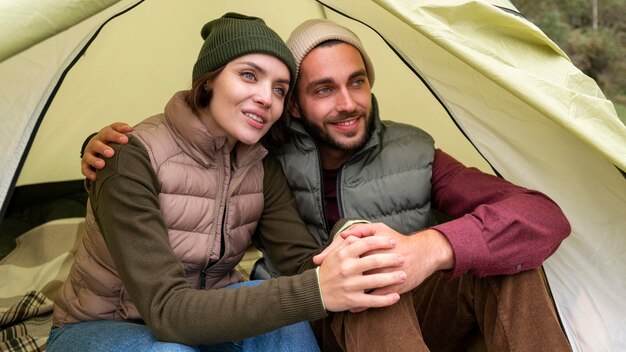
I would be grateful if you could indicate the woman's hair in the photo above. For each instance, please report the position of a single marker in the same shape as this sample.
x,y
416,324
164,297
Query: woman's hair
x,y
278,133
200,97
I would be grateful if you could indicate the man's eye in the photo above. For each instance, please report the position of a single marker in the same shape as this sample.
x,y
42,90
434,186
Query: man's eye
x,y
323,91
358,83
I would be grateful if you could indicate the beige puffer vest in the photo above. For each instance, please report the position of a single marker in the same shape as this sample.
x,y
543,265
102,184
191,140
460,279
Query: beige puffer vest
x,y
215,201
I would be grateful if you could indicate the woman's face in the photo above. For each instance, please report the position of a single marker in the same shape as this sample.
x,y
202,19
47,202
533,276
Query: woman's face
x,y
248,98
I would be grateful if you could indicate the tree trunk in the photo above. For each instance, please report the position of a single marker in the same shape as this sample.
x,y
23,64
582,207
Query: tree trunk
x,y
594,11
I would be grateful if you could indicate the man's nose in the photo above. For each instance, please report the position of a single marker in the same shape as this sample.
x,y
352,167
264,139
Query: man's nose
x,y
345,101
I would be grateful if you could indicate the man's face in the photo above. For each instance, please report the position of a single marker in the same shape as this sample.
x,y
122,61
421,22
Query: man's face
x,y
334,97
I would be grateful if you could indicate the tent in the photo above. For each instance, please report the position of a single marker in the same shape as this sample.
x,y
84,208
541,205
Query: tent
x,y
490,87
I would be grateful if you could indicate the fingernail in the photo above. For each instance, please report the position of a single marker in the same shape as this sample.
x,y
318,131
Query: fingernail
x,y
392,241
401,260
402,275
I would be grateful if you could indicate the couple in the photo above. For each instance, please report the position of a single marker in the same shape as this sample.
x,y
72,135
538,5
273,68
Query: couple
x,y
187,191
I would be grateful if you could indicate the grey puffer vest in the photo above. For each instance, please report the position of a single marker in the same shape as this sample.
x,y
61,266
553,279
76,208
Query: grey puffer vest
x,y
388,180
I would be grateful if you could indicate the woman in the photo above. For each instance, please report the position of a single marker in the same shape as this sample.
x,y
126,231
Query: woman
x,y
172,213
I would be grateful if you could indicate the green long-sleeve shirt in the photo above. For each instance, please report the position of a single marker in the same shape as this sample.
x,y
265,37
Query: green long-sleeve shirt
x,y
138,241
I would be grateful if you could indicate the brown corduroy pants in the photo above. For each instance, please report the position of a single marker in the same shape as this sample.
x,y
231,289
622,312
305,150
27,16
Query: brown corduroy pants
x,y
513,313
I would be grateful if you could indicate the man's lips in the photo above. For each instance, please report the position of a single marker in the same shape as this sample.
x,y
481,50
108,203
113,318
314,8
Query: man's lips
x,y
348,124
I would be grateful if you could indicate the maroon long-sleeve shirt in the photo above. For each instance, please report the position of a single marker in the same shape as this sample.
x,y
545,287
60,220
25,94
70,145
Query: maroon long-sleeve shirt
x,y
498,227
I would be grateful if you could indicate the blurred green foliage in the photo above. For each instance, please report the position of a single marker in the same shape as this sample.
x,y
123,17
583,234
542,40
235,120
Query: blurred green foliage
x,y
594,39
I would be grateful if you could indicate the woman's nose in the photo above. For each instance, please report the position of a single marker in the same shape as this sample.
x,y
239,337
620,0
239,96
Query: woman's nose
x,y
264,96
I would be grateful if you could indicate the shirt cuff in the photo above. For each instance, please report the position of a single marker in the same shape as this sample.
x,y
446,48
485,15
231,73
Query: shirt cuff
x,y
350,223
317,274
469,248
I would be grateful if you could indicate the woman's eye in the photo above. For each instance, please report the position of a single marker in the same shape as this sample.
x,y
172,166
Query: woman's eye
x,y
248,75
280,91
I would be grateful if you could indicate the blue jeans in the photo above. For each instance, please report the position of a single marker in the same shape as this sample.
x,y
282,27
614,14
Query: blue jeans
x,y
122,336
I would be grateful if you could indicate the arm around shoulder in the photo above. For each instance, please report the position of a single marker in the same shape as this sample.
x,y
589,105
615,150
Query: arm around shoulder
x,y
97,146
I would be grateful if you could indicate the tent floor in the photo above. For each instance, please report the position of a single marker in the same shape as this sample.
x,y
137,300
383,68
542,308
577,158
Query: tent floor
x,y
33,205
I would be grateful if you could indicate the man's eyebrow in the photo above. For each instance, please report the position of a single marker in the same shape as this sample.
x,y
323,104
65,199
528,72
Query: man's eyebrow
x,y
328,80
318,82
358,73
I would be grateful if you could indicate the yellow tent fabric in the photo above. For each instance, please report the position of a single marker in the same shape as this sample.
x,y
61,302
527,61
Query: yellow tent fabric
x,y
39,20
490,87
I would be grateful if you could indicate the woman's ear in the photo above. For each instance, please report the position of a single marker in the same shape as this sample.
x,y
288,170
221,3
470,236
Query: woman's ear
x,y
293,107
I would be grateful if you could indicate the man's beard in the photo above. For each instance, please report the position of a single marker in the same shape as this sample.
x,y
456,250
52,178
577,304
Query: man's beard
x,y
320,136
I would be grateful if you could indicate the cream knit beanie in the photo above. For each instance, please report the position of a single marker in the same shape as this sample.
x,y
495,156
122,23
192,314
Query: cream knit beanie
x,y
313,32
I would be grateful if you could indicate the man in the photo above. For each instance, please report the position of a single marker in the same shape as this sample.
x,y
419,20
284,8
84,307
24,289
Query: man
x,y
475,272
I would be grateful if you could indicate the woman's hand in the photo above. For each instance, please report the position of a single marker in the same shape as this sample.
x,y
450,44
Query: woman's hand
x,y
342,282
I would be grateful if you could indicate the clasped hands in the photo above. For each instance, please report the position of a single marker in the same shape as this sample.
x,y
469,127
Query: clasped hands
x,y
370,265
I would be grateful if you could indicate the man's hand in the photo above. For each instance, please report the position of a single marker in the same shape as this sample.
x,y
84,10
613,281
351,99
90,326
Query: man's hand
x,y
342,282
98,147
424,253
337,240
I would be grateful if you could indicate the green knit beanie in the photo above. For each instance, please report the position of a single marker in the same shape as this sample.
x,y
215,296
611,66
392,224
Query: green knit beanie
x,y
234,35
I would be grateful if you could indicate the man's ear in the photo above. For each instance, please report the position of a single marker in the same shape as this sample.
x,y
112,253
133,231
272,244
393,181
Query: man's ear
x,y
294,108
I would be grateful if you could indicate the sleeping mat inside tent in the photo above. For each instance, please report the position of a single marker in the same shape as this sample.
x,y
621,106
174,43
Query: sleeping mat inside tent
x,y
33,205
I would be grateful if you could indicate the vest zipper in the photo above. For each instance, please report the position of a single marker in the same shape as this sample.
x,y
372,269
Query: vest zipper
x,y
209,264
232,186
338,192
353,158
322,195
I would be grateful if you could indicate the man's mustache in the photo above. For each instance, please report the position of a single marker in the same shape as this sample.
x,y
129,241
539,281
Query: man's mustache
x,y
344,116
